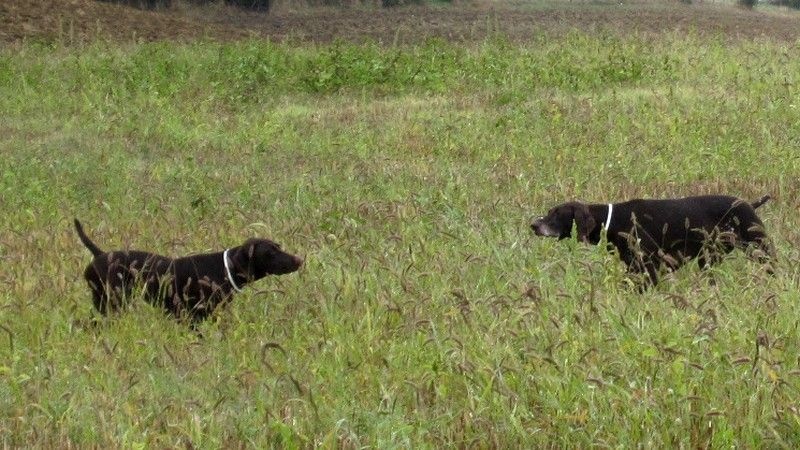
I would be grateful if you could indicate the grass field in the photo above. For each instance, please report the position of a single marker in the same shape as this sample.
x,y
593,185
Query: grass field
x,y
426,314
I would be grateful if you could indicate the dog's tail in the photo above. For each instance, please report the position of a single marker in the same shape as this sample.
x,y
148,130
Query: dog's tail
x,y
760,201
86,241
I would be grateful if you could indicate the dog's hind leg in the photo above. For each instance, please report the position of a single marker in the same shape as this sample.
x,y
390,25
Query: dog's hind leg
x,y
99,299
760,248
713,250
754,240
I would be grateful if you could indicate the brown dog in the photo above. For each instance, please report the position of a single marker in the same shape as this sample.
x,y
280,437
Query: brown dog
x,y
189,287
650,232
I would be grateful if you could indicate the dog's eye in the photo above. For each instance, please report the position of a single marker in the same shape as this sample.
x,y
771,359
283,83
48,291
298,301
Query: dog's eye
x,y
271,248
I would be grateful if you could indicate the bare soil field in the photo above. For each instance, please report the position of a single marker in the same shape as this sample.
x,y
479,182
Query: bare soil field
x,y
85,20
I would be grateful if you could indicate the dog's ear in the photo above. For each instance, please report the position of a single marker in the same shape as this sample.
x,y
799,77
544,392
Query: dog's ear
x,y
584,221
254,249
260,249
245,253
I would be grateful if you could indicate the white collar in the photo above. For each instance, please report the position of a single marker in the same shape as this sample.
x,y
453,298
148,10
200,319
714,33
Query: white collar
x,y
608,219
228,271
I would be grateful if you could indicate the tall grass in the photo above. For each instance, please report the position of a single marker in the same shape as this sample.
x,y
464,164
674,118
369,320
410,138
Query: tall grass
x,y
426,314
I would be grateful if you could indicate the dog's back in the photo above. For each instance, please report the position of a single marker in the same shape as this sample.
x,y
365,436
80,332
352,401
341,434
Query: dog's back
x,y
697,212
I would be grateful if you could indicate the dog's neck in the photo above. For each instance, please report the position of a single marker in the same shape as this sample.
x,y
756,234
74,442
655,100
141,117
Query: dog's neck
x,y
233,273
228,273
605,218
608,218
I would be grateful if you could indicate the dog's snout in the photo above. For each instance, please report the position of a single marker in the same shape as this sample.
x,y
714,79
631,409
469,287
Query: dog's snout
x,y
540,227
298,261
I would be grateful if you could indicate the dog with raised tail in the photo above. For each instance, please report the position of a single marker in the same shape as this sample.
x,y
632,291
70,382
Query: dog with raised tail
x,y
190,287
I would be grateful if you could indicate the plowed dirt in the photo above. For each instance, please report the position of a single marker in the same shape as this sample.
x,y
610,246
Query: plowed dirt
x,y
85,20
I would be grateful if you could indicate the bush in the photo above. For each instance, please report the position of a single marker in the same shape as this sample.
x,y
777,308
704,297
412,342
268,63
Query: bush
x,y
749,4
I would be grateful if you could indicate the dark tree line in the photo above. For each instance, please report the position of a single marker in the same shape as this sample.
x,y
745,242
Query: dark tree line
x,y
254,5
752,3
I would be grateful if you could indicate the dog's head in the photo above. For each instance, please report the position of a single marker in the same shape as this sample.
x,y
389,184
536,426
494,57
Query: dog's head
x,y
262,257
558,222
